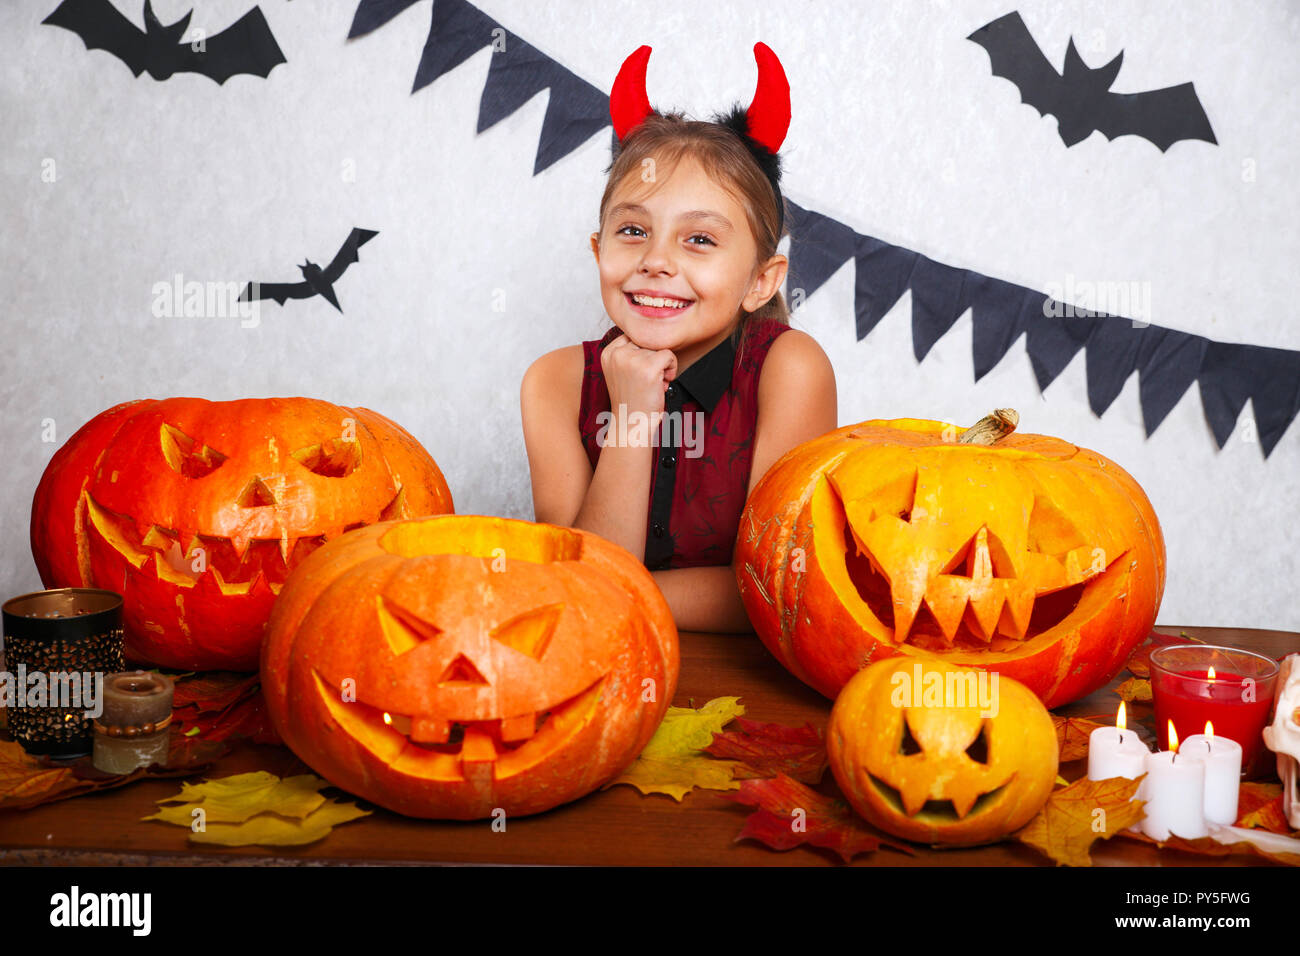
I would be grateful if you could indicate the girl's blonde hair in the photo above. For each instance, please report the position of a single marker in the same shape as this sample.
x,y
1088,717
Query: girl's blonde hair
x,y
665,138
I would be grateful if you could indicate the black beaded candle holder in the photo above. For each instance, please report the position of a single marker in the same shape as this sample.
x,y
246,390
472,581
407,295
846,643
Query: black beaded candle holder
x,y
68,631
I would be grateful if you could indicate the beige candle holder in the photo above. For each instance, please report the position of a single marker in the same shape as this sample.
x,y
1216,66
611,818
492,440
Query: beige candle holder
x,y
134,729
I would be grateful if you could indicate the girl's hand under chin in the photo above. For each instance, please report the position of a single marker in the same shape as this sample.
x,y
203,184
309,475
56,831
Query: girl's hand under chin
x,y
637,378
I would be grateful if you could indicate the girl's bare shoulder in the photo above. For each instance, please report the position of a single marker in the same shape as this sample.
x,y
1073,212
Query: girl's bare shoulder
x,y
555,378
795,356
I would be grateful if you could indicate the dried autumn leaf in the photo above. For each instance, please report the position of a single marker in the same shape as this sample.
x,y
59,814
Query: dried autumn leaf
x,y
213,690
246,717
1208,846
237,798
256,808
218,706
771,749
27,781
1075,816
1260,805
1135,688
674,762
267,829
1072,735
791,814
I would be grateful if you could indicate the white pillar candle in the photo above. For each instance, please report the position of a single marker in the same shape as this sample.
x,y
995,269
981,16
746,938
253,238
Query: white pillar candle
x,y
1222,759
1174,791
1115,753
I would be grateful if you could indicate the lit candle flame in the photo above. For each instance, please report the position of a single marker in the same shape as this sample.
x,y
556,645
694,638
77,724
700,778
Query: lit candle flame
x,y
1120,717
1173,737
1211,674
1209,728
387,718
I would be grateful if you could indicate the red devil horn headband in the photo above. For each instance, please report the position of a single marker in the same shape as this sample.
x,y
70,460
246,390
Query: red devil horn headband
x,y
768,116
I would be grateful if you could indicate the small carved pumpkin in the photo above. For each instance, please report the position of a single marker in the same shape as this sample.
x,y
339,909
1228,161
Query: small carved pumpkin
x,y
918,754
1031,556
196,512
457,666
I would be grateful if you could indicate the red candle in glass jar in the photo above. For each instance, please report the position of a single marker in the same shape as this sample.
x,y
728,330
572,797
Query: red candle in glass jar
x,y
1233,689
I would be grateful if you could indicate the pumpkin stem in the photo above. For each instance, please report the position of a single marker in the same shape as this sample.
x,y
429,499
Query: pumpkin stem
x,y
992,428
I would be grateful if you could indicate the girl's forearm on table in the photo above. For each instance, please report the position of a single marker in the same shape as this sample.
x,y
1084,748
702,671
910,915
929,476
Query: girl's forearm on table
x,y
622,474
704,599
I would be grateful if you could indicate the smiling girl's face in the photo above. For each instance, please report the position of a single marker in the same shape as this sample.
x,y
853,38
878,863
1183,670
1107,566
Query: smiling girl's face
x,y
687,240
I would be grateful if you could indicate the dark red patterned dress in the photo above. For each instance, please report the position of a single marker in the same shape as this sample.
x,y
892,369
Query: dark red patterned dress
x,y
697,486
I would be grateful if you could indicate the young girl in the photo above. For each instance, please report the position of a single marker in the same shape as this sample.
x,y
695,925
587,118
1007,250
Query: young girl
x,y
653,436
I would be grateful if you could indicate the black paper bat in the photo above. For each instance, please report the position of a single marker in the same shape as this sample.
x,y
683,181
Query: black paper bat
x,y
1080,98
317,281
246,46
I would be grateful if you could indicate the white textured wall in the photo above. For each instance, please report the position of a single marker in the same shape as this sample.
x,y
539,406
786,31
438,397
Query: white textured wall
x,y
899,130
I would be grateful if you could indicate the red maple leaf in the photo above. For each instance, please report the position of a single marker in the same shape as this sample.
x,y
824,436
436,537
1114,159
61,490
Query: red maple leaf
x,y
771,749
790,814
1139,662
221,706
214,690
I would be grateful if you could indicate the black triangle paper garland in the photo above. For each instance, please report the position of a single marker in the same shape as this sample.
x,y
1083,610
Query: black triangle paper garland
x,y
1167,360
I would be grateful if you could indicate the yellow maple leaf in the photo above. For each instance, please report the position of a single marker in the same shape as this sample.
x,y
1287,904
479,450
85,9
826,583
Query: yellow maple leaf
x,y
1135,688
674,762
256,808
234,799
268,829
1075,816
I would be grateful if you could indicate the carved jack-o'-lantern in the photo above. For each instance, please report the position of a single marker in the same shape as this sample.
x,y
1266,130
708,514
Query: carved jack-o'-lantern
x,y
453,666
196,512
940,754
1030,556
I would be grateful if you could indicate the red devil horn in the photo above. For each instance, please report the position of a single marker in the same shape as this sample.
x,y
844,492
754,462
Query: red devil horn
x,y
769,113
628,103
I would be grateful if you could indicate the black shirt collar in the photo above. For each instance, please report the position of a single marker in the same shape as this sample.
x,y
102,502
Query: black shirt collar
x,y
710,375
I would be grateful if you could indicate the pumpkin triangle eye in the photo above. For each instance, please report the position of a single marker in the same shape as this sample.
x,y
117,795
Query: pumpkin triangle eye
x,y
908,744
333,458
186,456
403,629
530,633
979,748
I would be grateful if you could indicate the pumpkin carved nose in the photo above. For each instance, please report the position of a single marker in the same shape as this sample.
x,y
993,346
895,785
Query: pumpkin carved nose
x,y
256,494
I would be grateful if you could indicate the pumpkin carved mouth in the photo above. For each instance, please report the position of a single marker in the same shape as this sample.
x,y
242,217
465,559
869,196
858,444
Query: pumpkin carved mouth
x,y
233,563
937,811
449,750
986,594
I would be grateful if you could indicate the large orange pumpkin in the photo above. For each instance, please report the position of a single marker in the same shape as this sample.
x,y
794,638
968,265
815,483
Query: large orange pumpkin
x,y
918,751
455,666
196,512
1031,556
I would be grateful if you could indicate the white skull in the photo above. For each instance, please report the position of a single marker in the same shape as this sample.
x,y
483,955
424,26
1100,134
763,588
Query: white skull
x,y
1283,737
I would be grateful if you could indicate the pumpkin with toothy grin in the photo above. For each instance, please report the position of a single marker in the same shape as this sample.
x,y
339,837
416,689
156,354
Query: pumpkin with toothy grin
x,y
454,667
197,511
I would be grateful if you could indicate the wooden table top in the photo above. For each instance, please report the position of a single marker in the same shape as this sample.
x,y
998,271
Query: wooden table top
x,y
618,826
